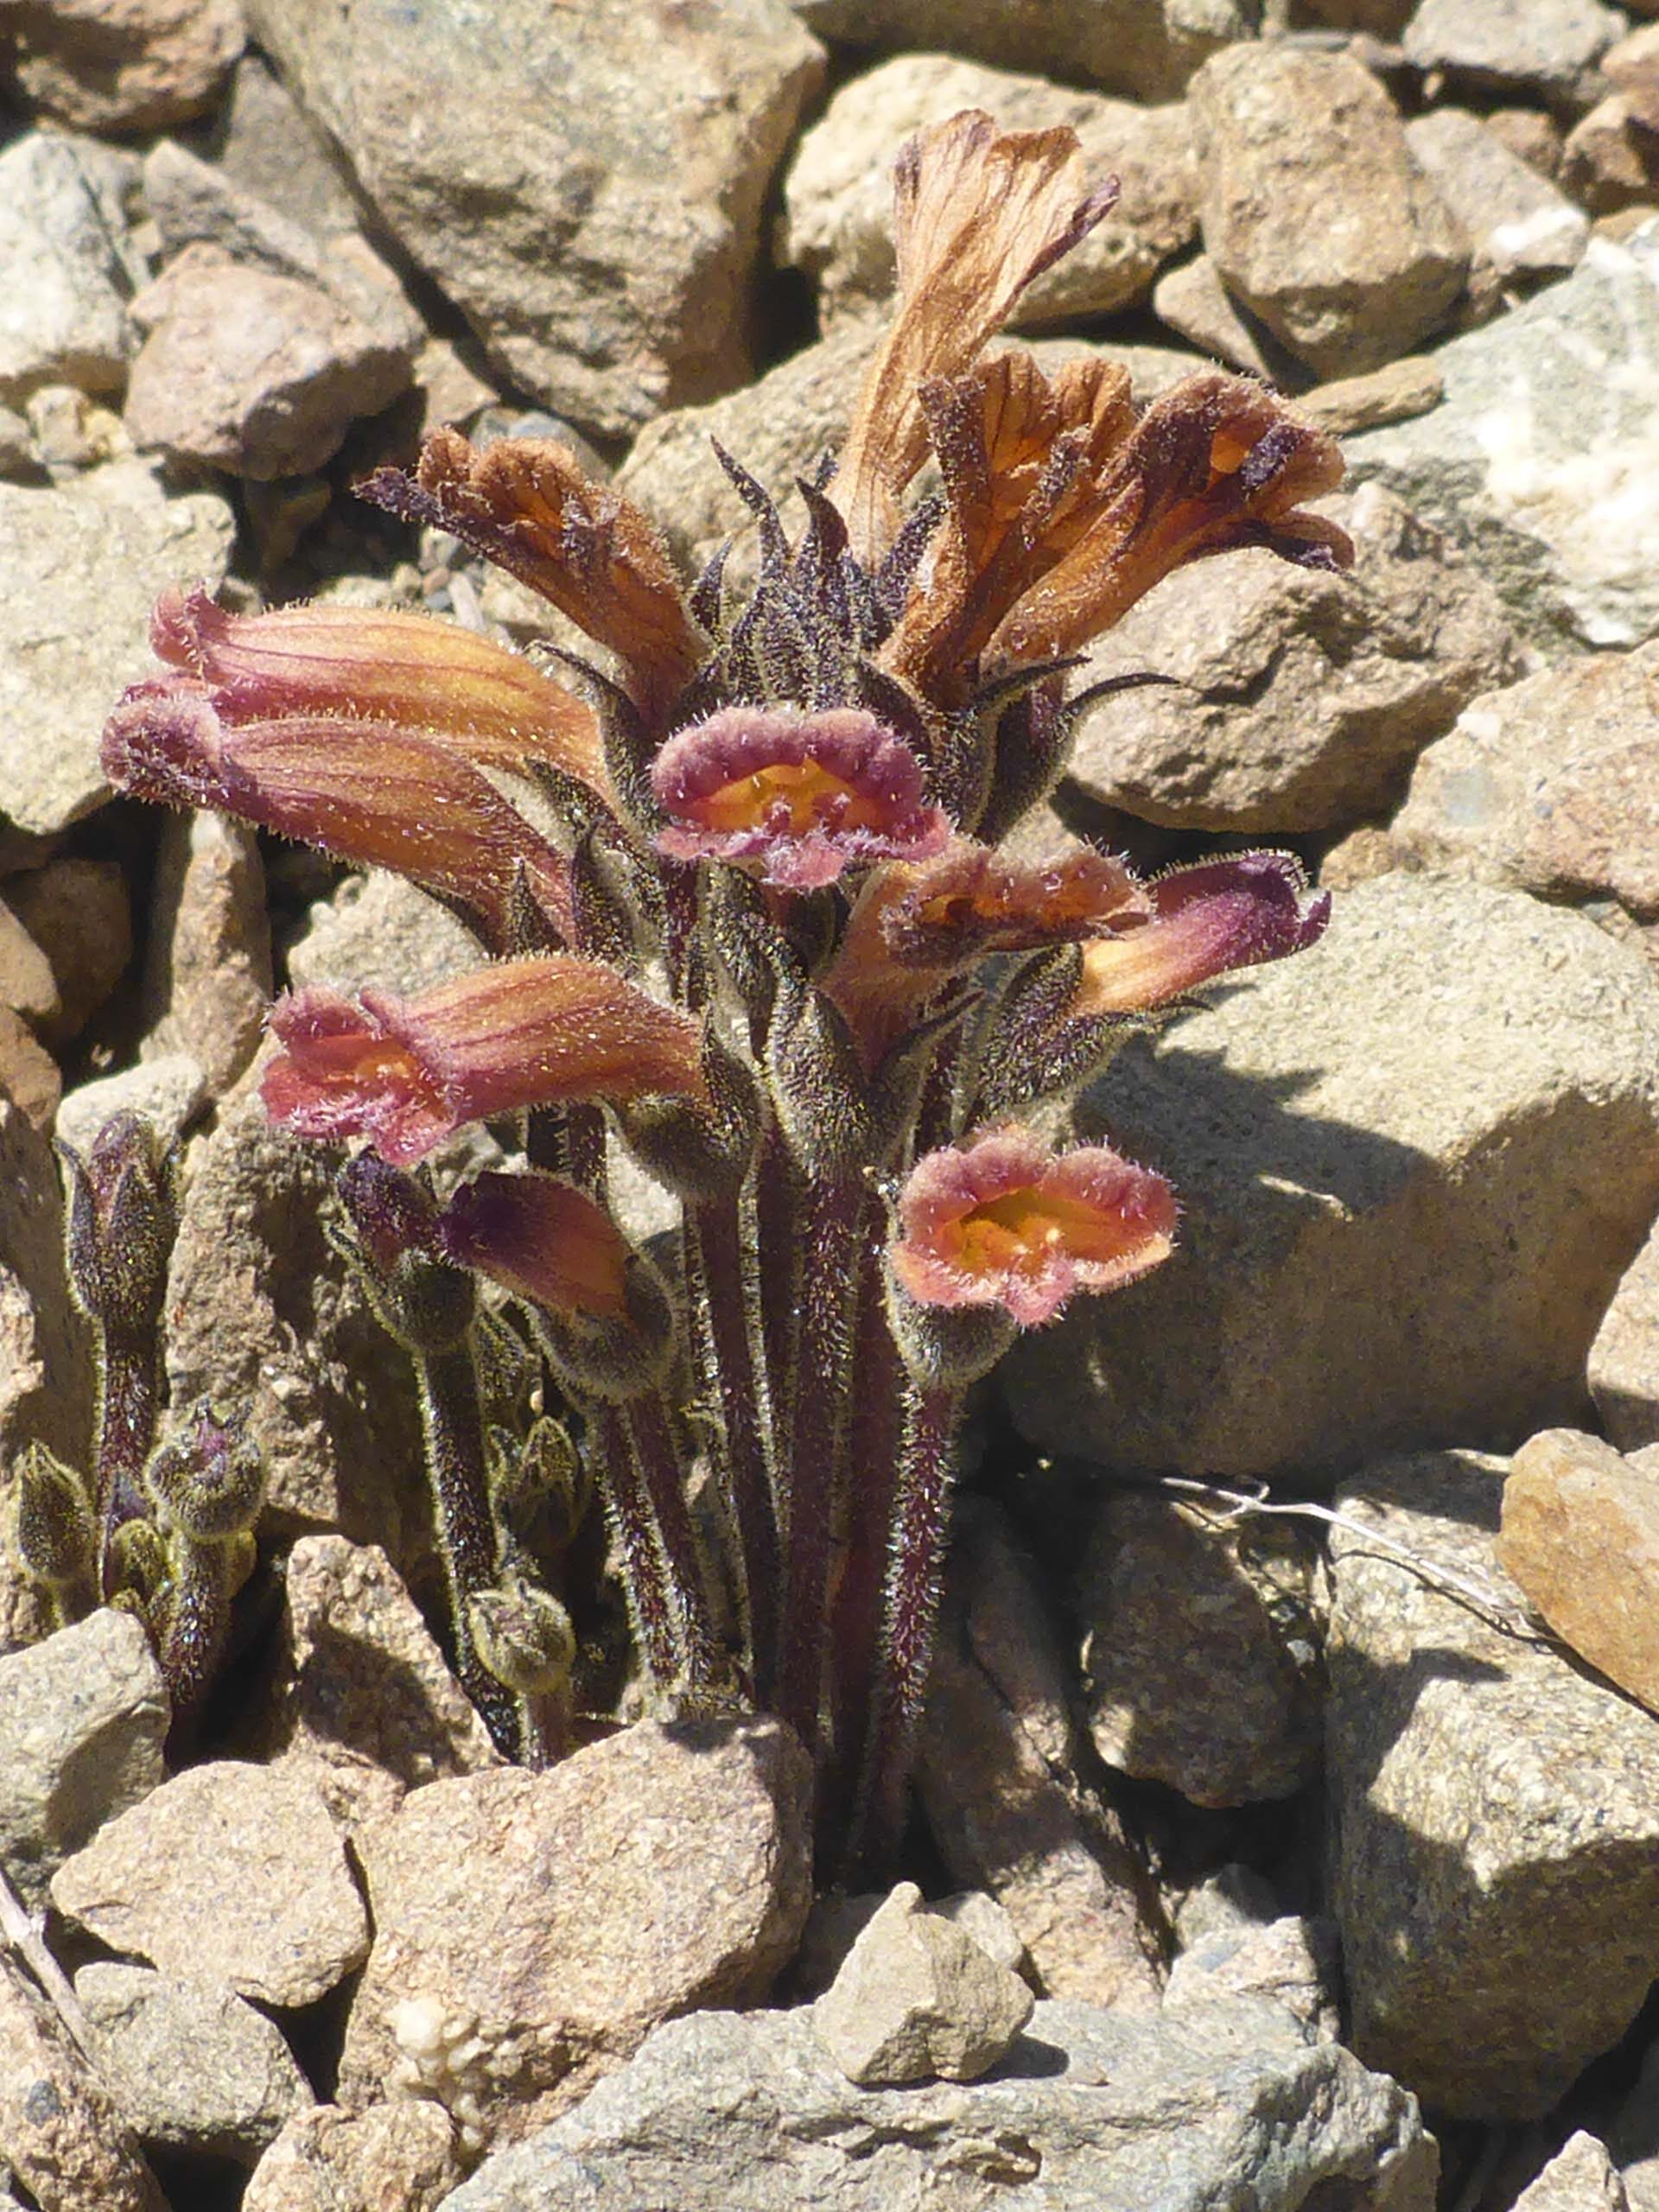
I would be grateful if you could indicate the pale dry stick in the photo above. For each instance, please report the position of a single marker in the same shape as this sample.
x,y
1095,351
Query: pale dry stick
x,y
21,1929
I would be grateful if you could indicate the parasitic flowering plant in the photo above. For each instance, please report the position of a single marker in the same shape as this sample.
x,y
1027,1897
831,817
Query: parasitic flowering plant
x,y
773,949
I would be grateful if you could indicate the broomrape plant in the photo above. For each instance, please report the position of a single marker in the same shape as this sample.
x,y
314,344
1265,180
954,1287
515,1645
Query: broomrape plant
x,y
772,950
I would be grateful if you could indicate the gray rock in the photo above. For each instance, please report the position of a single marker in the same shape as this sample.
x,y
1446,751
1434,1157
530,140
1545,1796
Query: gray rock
x,y
1453,1096
1495,1813
380,926
46,1374
1581,2178
836,1922
610,277
78,911
1171,1602
837,221
1541,459
207,975
1624,1367
531,1928
1147,48
85,561
1302,697
63,319
170,1092
228,1873
1295,1962
1513,47
1193,301
917,1999
62,2135
1609,162
83,1717
194,2066
1552,785
1313,210
398,2157
1091,2112
126,65
266,145
1518,224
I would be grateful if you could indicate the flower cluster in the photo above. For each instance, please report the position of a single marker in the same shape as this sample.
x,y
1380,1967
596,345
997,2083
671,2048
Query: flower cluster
x,y
771,947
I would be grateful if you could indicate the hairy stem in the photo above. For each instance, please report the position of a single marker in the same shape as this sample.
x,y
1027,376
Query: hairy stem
x,y
128,1409
652,1437
457,1467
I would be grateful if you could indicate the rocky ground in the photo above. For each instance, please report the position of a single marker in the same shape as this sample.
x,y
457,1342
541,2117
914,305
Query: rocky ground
x,y
1304,1860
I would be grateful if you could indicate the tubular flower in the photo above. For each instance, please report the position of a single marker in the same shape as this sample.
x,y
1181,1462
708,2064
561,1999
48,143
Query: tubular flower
x,y
970,901
414,673
799,797
1206,920
542,1239
1003,1221
407,1072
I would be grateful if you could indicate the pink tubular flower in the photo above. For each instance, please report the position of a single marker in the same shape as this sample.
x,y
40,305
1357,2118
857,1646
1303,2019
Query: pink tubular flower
x,y
1003,1221
804,796
541,1238
406,1072
1206,920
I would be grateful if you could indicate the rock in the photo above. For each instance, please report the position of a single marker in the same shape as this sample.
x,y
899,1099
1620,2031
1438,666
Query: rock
x,y
83,1717
251,372
1552,785
1452,1095
124,65
610,279
918,2000
68,431
208,977
29,1076
1536,136
170,1093
400,2156
1194,300
1302,697
267,147
1314,212
194,2066
1296,1963
1172,1602
62,2135
266,1321
743,2113
531,1928
1624,1367
836,1922
837,222
227,1873
77,912
1146,48
27,983
1513,48
46,1374
1540,461
64,320
360,1704
1581,2178
380,926
1580,1536
996,1775
17,456
1518,224
1633,2139
1495,1813
1610,160
85,561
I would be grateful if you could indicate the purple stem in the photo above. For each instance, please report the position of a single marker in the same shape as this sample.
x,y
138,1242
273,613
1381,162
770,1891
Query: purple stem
x,y
467,1542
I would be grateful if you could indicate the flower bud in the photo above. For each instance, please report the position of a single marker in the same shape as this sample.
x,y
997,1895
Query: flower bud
x,y
419,1296
524,1636
52,1529
123,1217
208,1483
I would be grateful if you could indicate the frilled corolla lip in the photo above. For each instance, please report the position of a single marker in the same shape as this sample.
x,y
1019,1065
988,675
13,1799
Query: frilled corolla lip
x,y
1206,920
541,1238
405,1073
798,797
1003,1221
365,790
415,672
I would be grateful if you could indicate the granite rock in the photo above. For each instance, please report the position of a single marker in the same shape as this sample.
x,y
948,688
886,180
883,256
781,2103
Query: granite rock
x,y
207,971
124,64
64,316
63,2137
1624,1366
45,1373
1581,2178
398,2157
1513,48
1520,225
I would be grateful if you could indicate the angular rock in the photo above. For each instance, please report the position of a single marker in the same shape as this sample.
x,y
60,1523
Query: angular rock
x,y
227,1873
1518,224
62,2134
1623,1368
1393,393
1146,48
836,1923
258,374
380,925
208,977
170,1093
29,1078
124,65
1091,2112
1442,1118
85,561
916,2000
64,315
1581,2178
83,1717
837,220
1294,1962
1552,785
78,911
1513,48
194,2066
399,2156
1194,300
996,1775
531,1928
610,279
45,1373
1171,1602
1540,461
1496,1812
1314,212
1610,161
360,1704
27,983
1580,1536
266,146
1302,697
69,431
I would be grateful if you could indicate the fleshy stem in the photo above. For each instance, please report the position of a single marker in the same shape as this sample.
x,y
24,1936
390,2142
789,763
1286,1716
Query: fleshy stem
x,y
454,1431
644,1572
650,1437
127,1414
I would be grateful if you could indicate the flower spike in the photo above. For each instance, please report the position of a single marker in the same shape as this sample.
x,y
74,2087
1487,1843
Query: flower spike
x,y
1206,920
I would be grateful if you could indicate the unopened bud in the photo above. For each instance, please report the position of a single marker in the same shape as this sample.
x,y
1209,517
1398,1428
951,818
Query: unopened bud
x,y
540,1477
693,1150
419,1297
524,1637
124,1216
208,1483
51,1528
